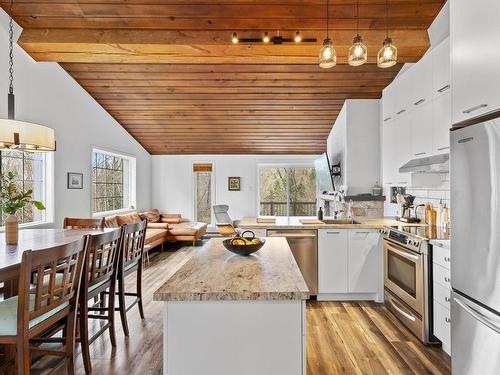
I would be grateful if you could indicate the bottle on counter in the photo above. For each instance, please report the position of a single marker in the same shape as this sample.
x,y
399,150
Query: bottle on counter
x,y
320,213
428,210
433,217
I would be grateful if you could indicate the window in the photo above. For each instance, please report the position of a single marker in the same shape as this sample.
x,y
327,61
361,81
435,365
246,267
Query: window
x,y
30,171
287,191
113,182
203,192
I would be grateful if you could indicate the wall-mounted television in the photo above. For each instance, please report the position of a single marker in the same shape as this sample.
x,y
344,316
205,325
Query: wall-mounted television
x,y
324,177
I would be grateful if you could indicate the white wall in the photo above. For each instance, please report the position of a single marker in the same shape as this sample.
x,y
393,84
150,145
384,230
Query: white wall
x,y
173,184
46,94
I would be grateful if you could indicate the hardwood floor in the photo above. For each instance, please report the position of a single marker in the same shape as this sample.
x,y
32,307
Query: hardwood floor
x,y
343,337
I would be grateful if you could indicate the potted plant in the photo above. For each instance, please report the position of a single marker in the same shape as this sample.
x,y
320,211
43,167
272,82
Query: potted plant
x,y
12,201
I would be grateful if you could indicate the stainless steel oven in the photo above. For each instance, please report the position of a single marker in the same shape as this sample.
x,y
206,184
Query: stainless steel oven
x,y
407,280
403,274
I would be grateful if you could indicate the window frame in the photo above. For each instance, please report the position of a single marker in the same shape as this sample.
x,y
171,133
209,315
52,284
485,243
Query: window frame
x,y
48,199
212,191
131,185
281,165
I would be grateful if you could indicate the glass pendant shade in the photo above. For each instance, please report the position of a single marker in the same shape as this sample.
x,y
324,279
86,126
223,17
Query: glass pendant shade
x,y
358,53
327,55
388,54
26,136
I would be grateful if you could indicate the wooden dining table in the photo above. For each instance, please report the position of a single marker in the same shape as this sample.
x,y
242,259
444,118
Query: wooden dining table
x,y
33,239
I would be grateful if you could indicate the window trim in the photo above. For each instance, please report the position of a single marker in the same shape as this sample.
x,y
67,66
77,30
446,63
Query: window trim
x,y
281,165
132,181
48,214
213,190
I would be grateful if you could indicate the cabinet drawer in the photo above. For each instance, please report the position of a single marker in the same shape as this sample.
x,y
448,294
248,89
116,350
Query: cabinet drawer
x,y
441,256
442,295
259,232
442,325
441,275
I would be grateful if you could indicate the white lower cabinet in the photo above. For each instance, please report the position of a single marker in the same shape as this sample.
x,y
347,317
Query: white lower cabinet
x,y
349,264
441,294
332,261
362,260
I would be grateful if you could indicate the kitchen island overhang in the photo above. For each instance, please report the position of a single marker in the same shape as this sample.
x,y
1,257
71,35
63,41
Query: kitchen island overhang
x,y
231,314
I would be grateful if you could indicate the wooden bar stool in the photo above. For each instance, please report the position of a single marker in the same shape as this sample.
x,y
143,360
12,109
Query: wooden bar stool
x,y
132,261
100,273
48,306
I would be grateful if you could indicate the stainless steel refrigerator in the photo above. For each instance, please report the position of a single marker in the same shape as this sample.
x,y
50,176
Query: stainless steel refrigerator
x,y
475,249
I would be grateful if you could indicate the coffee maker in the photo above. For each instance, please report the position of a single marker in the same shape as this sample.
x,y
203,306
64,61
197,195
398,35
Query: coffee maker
x,y
405,208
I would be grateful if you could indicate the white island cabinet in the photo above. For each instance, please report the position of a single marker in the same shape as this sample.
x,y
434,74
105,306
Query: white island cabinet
x,y
350,264
226,314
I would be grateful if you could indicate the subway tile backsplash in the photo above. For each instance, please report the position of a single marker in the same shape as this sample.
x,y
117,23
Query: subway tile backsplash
x,y
440,192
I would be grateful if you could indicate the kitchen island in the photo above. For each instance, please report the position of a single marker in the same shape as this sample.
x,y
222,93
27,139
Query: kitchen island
x,y
227,314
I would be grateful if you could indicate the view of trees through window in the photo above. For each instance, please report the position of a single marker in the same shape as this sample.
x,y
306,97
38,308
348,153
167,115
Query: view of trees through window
x,y
107,182
204,197
29,168
287,191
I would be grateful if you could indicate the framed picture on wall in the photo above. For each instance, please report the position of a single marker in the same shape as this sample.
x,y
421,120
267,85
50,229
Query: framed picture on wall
x,y
75,180
233,183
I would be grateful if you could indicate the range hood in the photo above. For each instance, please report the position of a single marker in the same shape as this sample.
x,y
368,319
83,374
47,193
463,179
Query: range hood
x,y
430,164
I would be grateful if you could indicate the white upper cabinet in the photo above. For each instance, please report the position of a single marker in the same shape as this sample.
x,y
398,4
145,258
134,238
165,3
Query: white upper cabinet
x,y
441,123
421,128
441,68
420,82
401,102
388,104
475,57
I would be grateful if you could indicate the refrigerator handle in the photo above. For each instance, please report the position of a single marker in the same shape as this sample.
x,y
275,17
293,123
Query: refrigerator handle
x,y
478,316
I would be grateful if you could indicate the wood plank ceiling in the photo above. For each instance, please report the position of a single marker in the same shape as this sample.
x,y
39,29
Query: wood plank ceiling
x,y
167,72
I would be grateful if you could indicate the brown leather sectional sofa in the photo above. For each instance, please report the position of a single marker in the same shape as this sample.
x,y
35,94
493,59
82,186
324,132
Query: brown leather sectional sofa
x,y
161,227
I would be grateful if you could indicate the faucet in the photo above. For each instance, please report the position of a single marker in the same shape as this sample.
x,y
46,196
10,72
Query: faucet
x,y
338,198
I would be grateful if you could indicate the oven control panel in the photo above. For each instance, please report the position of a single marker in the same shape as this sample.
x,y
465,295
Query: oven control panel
x,y
412,242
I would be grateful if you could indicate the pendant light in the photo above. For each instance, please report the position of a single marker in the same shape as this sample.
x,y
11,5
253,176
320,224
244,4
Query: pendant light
x,y
388,54
327,54
20,135
358,53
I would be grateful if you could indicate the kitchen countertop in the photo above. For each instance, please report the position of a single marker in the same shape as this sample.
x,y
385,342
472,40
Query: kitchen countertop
x,y
216,274
292,222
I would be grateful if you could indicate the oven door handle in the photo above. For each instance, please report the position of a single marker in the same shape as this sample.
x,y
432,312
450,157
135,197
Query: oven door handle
x,y
403,253
406,315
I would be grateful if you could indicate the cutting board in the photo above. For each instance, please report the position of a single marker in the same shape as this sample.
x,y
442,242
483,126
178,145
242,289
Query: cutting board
x,y
311,221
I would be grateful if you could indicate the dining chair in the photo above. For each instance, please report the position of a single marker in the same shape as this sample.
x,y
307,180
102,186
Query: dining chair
x,y
99,276
83,223
131,261
47,306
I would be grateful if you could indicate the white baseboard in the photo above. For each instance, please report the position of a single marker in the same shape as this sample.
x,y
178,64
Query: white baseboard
x,y
350,297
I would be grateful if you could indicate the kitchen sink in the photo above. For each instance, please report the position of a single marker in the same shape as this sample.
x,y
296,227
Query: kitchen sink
x,y
340,221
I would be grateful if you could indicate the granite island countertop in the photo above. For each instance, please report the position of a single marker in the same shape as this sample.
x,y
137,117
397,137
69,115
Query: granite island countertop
x,y
216,274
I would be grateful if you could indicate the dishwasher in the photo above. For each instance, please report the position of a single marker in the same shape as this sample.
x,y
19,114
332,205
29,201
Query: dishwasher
x,y
304,246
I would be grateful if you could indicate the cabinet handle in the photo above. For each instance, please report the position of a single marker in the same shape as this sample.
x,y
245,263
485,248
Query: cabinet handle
x,y
387,119
418,102
447,279
447,320
470,110
332,232
420,153
402,111
444,88
443,148
362,232
402,182
447,299
447,259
